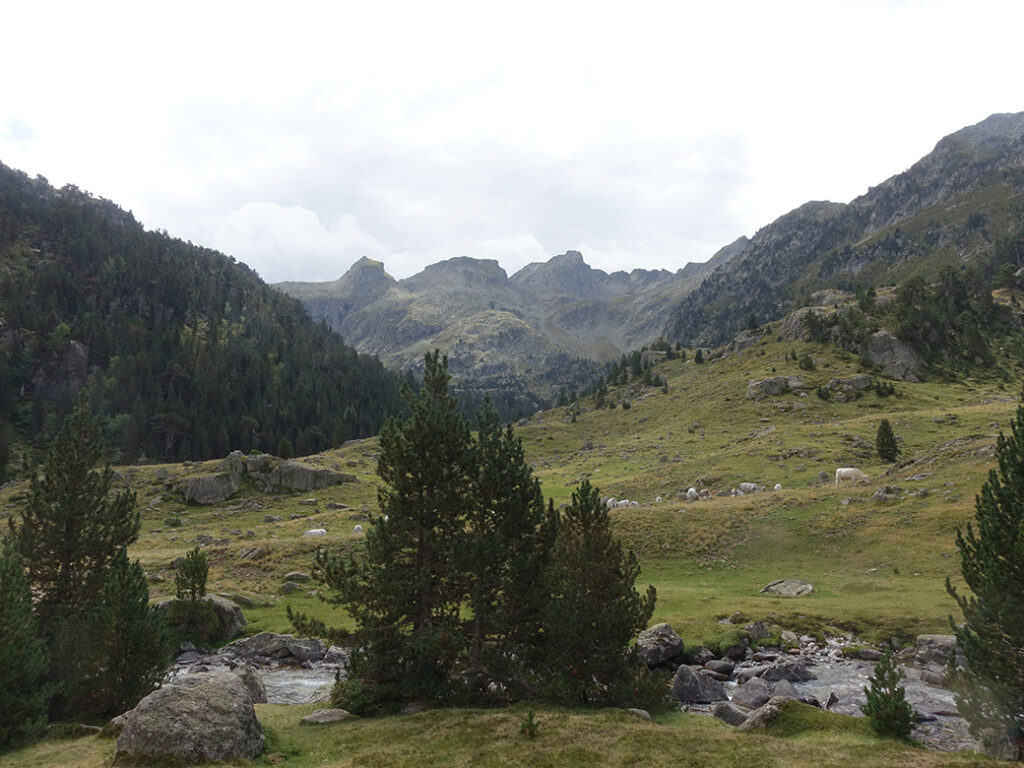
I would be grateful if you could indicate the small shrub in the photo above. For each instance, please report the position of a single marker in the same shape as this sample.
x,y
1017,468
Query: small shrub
x,y
625,405
823,393
529,726
806,363
190,578
888,710
885,442
172,522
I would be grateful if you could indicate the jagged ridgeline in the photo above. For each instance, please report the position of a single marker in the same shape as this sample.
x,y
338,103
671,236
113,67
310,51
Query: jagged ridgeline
x,y
185,353
960,207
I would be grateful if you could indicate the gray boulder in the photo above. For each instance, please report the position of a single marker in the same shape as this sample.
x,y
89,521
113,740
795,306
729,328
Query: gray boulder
x,y
300,477
658,645
283,648
792,671
776,385
758,630
324,716
788,588
691,687
728,713
212,489
896,359
764,715
934,649
211,718
721,666
230,620
752,694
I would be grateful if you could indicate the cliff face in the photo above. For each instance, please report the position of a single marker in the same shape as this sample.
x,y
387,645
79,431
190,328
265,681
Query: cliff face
x,y
951,207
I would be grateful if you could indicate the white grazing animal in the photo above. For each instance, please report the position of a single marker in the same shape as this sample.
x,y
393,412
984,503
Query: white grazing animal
x,y
314,533
357,529
692,495
750,487
778,486
850,473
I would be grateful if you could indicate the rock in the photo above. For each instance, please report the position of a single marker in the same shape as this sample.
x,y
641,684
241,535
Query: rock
x,y
701,656
743,674
728,713
764,715
211,489
789,670
336,656
789,637
758,630
299,477
271,519
230,620
211,718
658,645
722,666
794,328
776,385
737,651
641,714
322,716
753,693
784,689
284,648
288,587
253,553
934,649
788,588
690,687
896,359
296,576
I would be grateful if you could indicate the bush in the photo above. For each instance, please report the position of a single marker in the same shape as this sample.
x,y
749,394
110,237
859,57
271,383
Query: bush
x,y
888,710
806,363
885,442
190,578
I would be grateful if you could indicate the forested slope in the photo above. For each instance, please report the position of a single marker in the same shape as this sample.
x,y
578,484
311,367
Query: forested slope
x,y
185,352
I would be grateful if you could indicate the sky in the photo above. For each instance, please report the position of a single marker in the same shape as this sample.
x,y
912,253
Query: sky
x,y
300,136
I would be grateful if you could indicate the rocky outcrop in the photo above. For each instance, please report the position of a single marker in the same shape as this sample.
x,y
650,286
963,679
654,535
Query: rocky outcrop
x,y
896,358
265,471
765,715
268,646
659,645
230,620
204,718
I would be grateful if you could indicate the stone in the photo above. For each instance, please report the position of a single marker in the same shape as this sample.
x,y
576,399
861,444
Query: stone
x,y
641,714
296,576
230,620
211,489
299,477
658,645
896,358
764,715
788,588
701,656
271,518
209,718
288,587
285,648
789,637
934,649
323,716
753,693
722,666
690,687
790,670
758,630
728,713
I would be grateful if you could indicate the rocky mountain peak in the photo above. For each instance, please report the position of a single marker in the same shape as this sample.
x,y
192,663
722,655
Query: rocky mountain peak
x,y
459,272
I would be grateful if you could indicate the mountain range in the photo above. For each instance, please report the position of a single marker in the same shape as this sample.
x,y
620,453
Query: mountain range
x,y
552,325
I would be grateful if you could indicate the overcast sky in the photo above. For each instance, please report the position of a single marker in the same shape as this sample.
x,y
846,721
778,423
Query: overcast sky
x,y
299,137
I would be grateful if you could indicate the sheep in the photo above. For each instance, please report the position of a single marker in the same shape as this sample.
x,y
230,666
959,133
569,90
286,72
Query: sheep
x,y
658,500
750,487
314,533
623,503
778,486
850,473
358,529
610,503
692,495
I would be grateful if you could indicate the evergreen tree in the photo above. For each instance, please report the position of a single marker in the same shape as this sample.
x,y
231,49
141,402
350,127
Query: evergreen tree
x,y
190,578
991,690
887,708
593,610
885,442
509,538
23,660
698,356
129,638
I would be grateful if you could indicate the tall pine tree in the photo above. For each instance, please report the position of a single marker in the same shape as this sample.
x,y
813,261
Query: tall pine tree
x,y
885,442
991,690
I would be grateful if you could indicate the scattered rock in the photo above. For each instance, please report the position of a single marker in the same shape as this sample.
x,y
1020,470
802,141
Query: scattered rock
x,y
323,716
296,576
788,588
758,630
728,713
722,666
658,645
641,714
690,687
793,671
764,715
753,693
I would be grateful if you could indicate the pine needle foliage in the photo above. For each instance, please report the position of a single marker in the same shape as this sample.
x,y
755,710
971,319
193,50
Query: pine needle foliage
x,y
885,442
887,707
991,690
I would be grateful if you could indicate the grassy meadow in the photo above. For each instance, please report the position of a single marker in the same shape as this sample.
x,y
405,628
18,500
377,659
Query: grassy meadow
x,y
878,565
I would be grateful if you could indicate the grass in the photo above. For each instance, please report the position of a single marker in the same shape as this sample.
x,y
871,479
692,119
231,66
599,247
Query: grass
x,y
878,566
461,738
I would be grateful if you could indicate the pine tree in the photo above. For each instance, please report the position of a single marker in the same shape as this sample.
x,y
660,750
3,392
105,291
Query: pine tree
x,y
130,639
509,539
991,690
24,695
698,356
190,578
593,610
885,442
887,707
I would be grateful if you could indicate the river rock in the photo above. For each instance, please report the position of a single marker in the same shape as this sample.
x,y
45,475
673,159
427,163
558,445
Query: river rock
x,y
701,656
753,693
230,620
691,687
658,645
721,666
758,631
934,649
283,648
211,718
788,588
764,715
728,713
792,671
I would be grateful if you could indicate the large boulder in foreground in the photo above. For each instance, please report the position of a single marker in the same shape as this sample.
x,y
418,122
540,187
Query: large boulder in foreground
x,y
691,687
204,718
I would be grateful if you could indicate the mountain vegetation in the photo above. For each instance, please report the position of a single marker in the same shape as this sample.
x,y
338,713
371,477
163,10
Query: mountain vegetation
x,y
184,353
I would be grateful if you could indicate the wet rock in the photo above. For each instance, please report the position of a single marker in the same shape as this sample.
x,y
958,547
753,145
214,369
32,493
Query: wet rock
x,y
789,670
753,693
722,666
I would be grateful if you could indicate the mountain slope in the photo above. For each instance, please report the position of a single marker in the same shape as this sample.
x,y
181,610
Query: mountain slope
x,y
954,207
519,339
186,353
